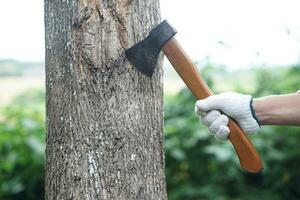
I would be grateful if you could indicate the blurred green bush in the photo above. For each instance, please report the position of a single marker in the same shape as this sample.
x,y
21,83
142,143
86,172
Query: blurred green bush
x,y
22,147
197,166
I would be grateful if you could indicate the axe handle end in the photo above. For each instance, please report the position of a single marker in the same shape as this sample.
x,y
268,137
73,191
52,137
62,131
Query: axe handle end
x,y
248,157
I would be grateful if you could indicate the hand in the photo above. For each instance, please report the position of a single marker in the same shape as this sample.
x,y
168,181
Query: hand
x,y
237,106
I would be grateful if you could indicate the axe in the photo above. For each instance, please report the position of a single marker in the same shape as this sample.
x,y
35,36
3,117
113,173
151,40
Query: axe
x,y
144,57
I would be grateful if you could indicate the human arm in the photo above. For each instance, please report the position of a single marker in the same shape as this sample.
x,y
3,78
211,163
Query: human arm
x,y
278,109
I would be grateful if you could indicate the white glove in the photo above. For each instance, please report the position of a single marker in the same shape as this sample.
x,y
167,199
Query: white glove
x,y
237,106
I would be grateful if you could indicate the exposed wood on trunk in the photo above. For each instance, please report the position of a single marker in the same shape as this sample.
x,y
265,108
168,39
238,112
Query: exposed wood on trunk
x,y
104,119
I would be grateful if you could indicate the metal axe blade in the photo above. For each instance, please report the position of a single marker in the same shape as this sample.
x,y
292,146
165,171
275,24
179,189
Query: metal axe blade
x,y
144,54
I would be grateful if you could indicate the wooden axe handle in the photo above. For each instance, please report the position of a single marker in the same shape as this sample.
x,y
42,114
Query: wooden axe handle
x,y
249,158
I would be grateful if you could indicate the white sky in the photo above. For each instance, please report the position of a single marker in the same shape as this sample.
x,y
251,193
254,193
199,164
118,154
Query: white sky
x,y
252,31
22,30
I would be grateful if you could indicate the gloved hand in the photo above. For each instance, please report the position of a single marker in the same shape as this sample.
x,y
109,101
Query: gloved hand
x,y
237,106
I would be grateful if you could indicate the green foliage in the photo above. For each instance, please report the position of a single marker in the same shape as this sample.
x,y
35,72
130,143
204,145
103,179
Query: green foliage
x,y
199,167
22,147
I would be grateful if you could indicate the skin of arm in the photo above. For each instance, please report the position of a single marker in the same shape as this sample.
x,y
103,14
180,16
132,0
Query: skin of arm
x,y
278,109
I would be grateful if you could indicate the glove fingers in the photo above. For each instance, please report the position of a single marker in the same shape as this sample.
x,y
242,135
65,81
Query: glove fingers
x,y
222,133
210,103
198,112
220,121
210,117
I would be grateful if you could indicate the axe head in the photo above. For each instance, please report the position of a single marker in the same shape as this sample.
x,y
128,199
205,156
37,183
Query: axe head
x,y
144,54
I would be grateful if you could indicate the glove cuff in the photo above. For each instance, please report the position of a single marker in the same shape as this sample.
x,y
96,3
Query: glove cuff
x,y
245,115
253,111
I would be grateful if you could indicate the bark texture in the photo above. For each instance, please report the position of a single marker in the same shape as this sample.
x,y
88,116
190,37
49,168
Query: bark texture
x,y
104,119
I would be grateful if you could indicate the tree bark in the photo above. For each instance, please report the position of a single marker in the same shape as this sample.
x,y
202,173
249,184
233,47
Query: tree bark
x,y
104,118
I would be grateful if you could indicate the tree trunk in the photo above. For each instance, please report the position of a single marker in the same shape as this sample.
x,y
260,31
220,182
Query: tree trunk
x,y
104,119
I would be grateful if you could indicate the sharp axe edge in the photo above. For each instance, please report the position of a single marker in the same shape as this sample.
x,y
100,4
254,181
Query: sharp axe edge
x,y
144,54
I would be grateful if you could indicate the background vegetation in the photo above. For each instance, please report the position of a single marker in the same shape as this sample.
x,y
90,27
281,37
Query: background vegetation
x,y
197,166
22,147
11,67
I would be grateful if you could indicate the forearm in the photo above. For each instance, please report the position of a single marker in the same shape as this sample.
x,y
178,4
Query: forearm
x,y
278,110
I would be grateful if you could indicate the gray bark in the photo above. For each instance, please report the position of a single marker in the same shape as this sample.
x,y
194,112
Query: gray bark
x,y
104,119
